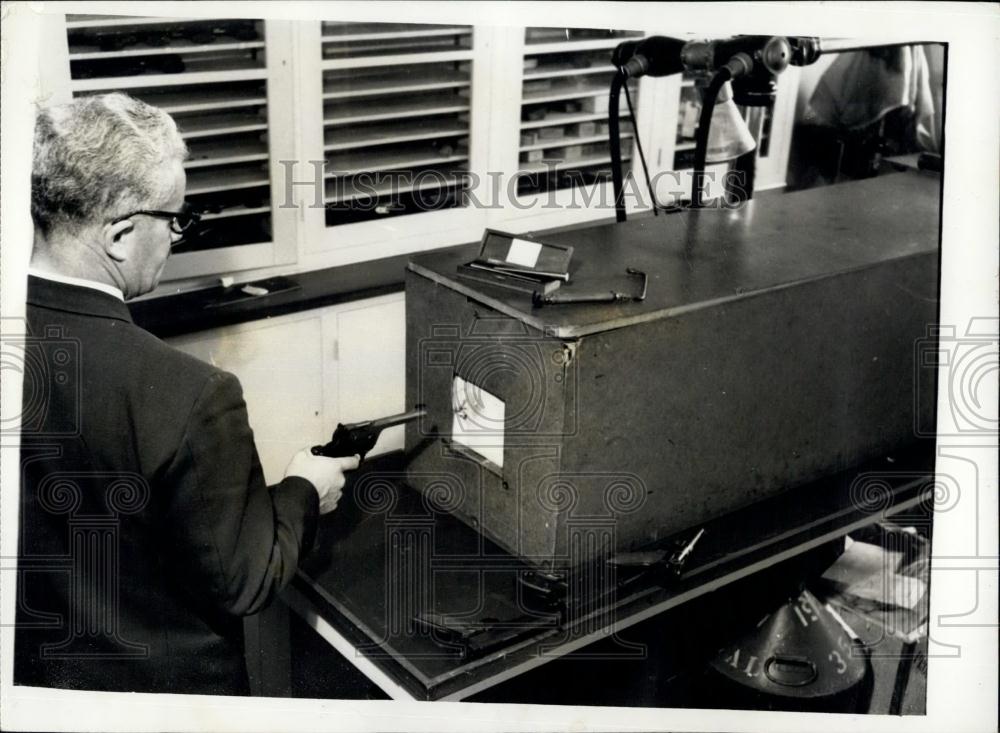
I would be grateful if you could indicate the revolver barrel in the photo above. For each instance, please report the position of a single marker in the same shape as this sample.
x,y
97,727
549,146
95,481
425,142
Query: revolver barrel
x,y
387,422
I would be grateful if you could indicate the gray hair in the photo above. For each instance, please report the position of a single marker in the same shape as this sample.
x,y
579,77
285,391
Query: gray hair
x,y
99,157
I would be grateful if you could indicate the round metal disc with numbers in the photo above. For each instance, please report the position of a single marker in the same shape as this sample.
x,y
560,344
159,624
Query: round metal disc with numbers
x,y
798,653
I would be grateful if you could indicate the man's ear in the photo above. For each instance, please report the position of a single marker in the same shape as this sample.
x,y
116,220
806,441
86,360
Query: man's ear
x,y
117,238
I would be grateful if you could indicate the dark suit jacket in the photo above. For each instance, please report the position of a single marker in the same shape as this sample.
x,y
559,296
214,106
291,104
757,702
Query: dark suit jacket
x,y
146,528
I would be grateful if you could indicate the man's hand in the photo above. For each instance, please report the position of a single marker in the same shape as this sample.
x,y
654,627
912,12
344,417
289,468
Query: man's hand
x,y
326,474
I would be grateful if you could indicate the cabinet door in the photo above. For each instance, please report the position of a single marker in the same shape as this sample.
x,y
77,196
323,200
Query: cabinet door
x,y
553,141
304,373
280,363
224,81
563,135
776,132
393,119
370,365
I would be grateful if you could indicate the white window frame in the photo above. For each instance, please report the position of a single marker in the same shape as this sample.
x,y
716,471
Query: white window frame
x,y
301,240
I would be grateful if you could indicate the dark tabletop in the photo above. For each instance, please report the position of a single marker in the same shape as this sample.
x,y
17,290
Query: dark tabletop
x,y
389,553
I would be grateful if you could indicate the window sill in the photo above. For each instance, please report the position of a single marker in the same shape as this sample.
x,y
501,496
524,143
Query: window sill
x,y
199,310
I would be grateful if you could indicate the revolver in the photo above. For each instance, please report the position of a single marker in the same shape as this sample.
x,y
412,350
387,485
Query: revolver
x,y
360,437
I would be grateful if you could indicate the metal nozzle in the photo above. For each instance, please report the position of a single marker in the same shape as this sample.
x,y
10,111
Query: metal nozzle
x,y
776,54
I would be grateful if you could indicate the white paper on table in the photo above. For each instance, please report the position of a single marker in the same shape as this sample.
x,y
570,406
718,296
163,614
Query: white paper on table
x,y
861,560
893,590
868,571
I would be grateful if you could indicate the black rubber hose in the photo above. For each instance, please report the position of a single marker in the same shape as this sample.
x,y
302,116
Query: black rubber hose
x,y
642,155
701,135
615,144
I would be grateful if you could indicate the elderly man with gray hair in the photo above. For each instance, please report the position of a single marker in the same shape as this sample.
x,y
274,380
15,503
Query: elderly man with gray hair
x,y
147,530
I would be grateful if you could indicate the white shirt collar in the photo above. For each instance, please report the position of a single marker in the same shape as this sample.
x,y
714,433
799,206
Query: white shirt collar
x,y
67,280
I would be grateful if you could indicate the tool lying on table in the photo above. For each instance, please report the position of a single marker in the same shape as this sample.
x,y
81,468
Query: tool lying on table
x,y
360,437
544,589
672,562
596,296
476,637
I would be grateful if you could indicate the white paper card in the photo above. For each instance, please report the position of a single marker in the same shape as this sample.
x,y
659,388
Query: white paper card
x,y
478,421
868,571
523,253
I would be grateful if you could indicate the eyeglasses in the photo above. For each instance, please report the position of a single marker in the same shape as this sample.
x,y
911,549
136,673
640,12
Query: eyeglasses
x,y
180,221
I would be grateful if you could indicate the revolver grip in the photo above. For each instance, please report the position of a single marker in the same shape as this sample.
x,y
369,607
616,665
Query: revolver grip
x,y
347,442
342,444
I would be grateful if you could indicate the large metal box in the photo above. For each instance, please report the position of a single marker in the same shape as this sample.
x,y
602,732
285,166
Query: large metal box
x,y
776,345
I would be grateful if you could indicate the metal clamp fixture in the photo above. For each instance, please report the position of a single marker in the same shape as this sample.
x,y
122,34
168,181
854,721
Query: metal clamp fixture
x,y
601,296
